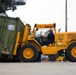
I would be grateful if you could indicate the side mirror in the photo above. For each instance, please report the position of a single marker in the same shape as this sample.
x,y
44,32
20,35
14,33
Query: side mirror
x,y
59,30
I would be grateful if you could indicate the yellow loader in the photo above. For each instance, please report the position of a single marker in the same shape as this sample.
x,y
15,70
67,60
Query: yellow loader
x,y
30,50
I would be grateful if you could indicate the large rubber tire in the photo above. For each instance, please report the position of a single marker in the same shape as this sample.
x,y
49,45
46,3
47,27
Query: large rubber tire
x,y
28,58
52,58
71,52
39,57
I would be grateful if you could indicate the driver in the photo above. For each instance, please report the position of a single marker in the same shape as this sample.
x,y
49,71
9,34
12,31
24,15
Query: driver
x,y
50,38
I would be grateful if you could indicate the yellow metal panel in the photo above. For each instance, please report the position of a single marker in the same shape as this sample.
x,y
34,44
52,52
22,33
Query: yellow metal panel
x,y
49,50
16,44
45,25
26,34
60,58
35,43
30,37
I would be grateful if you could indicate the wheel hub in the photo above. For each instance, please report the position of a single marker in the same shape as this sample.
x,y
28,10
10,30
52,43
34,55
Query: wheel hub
x,y
28,53
73,51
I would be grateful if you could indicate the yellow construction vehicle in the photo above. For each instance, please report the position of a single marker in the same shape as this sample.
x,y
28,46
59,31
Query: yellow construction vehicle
x,y
27,48
31,50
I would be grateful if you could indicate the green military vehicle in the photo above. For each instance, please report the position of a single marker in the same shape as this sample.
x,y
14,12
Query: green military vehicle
x,y
10,28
